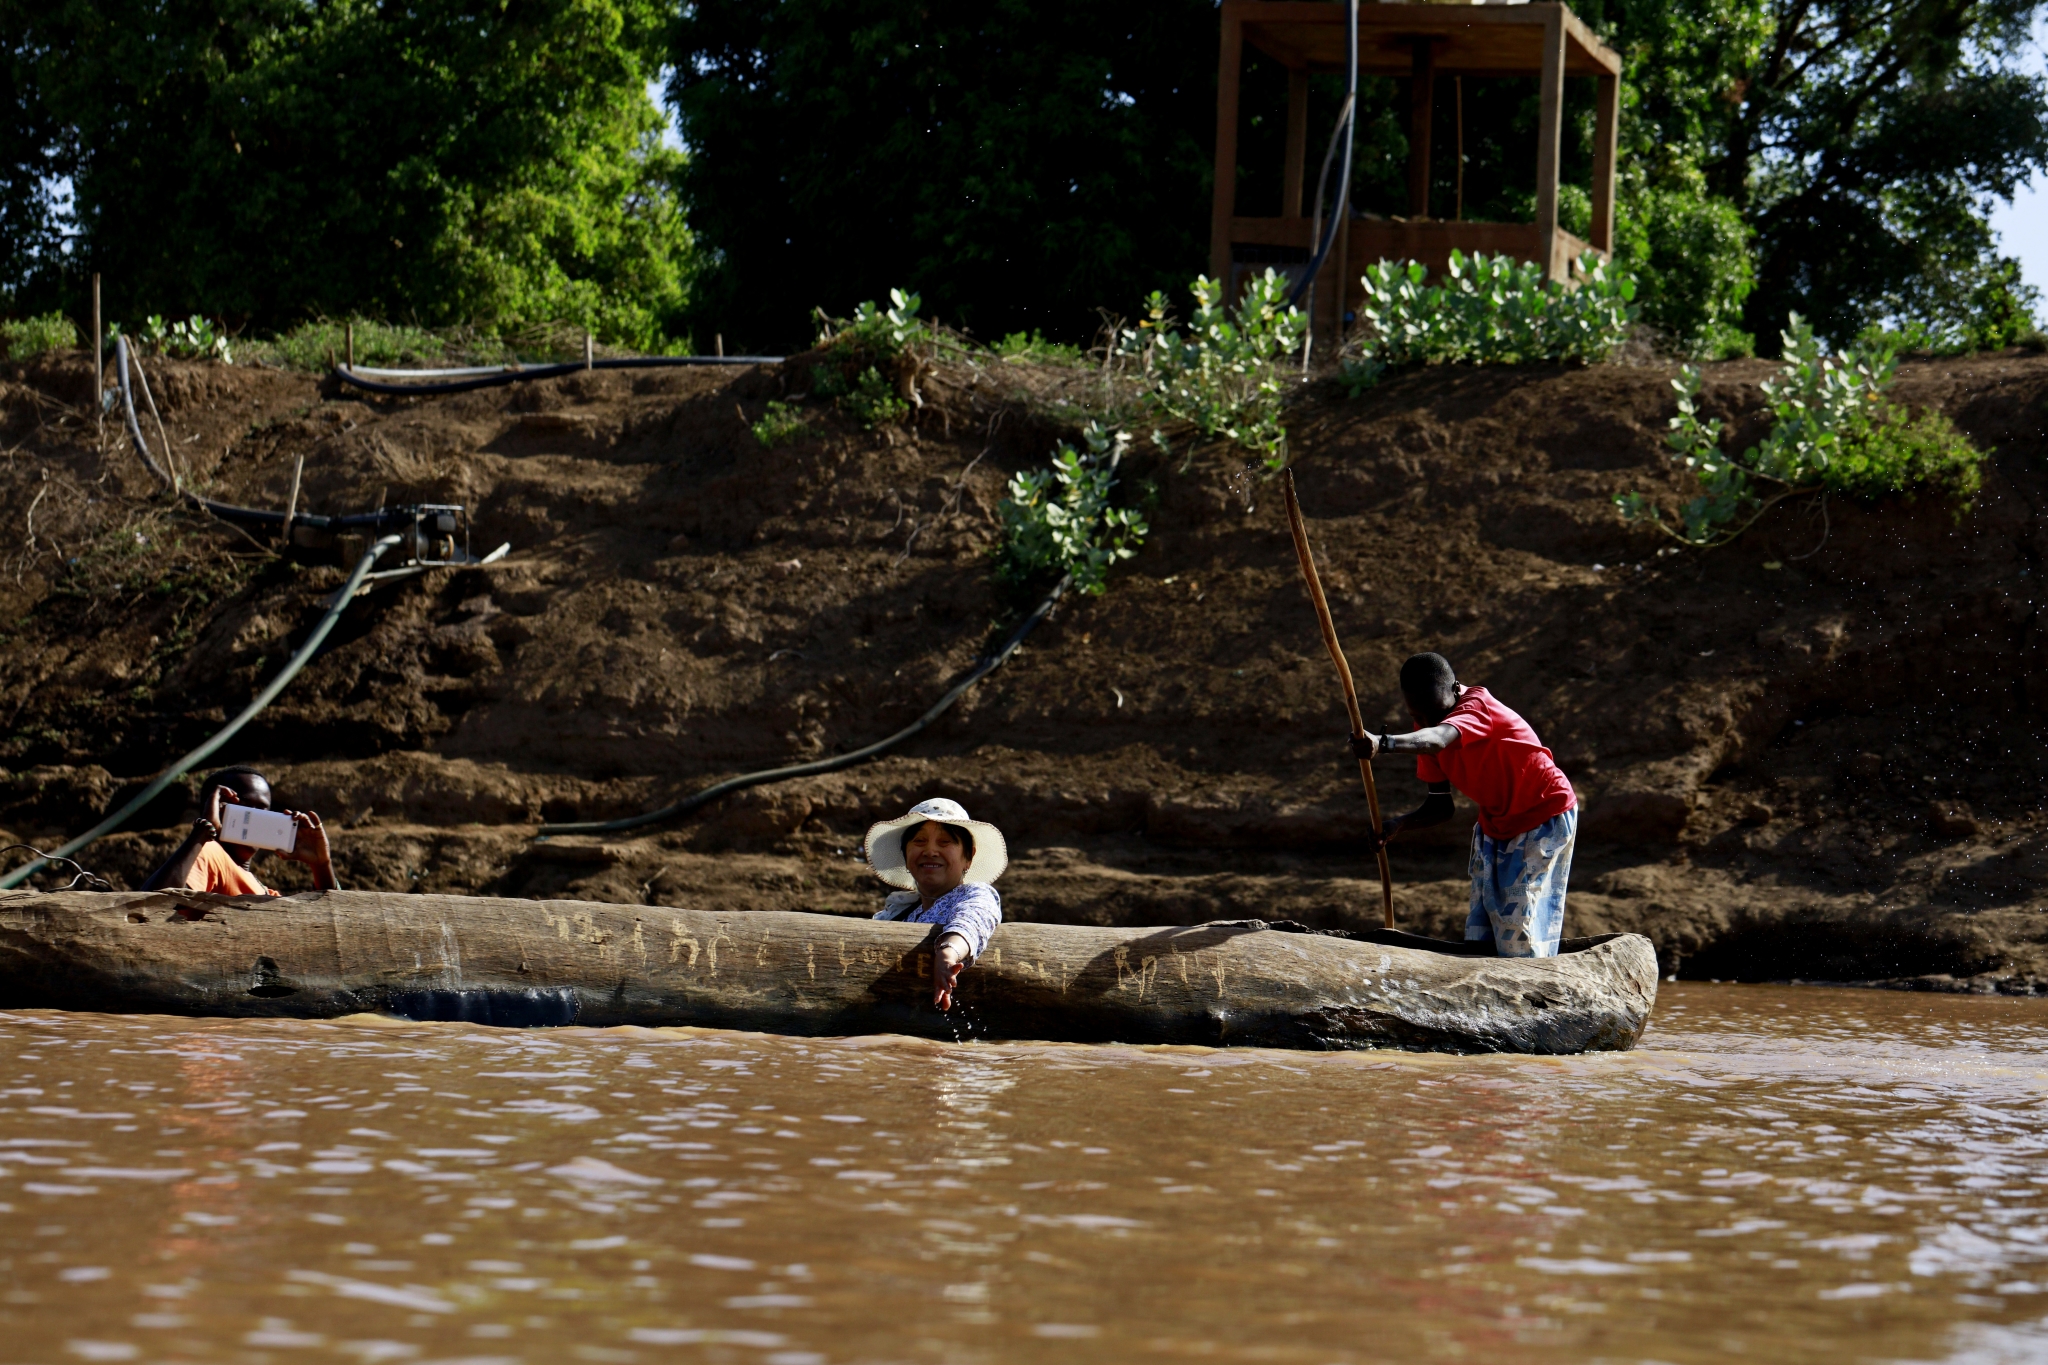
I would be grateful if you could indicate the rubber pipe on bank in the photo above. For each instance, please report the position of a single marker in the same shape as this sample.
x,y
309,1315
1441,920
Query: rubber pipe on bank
x,y
498,378
226,732
699,799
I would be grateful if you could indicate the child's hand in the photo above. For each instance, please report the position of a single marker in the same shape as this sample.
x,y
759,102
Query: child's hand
x,y
1365,746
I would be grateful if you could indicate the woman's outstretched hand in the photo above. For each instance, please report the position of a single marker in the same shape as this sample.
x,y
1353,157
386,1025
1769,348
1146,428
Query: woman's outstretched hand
x,y
946,964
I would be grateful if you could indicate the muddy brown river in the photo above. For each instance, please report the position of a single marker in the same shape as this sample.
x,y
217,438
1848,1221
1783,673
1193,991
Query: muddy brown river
x,y
1789,1174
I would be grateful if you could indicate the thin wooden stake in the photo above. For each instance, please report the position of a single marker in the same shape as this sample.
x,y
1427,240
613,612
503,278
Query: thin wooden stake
x,y
718,339
589,350
163,437
351,346
99,367
1329,627
291,507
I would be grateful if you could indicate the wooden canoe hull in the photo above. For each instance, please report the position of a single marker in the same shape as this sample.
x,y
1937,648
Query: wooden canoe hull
x,y
522,962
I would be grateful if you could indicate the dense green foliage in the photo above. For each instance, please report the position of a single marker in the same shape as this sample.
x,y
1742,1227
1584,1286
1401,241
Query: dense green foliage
x,y
1489,310
1858,140
1224,373
1028,164
264,161
1025,161
1832,431
1059,520
31,337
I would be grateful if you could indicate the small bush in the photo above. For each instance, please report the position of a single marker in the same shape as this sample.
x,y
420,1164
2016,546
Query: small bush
x,y
195,338
1488,310
873,359
1832,431
318,344
1059,520
866,396
781,422
30,337
1032,346
1224,373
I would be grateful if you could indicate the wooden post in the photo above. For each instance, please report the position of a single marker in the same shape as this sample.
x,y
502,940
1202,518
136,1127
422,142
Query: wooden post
x,y
1606,133
1421,105
589,350
1229,63
351,345
718,340
1458,128
291,507
1549,137
99,366
1297,144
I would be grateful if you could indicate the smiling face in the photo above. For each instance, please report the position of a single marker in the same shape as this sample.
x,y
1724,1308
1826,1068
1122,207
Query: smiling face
x,y
936,858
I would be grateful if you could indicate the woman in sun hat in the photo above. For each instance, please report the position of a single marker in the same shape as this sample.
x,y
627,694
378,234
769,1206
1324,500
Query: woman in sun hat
x,y
943,862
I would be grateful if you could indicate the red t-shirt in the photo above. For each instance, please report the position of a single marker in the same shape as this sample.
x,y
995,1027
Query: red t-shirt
x,y
1501,765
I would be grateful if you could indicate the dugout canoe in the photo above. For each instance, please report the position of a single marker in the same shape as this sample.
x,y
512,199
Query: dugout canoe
x,y
320,955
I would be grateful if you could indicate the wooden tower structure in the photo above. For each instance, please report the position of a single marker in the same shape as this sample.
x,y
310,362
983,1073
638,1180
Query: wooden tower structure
x,y
1423,43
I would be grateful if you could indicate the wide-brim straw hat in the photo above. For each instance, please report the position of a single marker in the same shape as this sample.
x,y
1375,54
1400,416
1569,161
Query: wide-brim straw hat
x,y
884,844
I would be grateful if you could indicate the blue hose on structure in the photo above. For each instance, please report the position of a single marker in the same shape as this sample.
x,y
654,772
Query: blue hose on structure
x,y
1347,125
226,733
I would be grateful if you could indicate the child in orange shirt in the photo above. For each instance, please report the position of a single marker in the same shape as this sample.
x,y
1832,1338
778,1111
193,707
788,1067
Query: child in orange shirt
x,y
203,863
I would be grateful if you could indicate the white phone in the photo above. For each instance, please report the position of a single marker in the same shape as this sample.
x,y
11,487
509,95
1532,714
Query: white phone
x,y
258,828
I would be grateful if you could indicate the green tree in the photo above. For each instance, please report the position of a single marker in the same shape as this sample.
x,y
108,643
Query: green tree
x,y
1860,141
1021,163
494,161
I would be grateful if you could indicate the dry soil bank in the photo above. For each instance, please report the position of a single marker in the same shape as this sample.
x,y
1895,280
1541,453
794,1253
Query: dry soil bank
x,y
1816,754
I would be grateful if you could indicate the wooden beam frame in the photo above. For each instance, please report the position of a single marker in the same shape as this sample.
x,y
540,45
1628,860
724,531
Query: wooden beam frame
x,y
1297,144
1229,67
1421,111
1550,138
1606,137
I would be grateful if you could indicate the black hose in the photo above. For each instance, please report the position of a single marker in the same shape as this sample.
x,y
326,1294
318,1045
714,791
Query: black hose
x,y
1346,126
227,732
697,800
521,376
227,511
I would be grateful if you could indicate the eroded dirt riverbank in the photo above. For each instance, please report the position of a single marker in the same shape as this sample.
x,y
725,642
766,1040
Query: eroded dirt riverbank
x,y
1829,769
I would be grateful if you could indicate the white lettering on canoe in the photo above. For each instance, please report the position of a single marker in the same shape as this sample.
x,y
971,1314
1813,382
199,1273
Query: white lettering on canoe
x,y
810,960
577,927
1217,972
678,940
711,948
1143,977
640,942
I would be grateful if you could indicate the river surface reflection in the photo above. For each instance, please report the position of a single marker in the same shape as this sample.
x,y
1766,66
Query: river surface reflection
x,y
1790,1174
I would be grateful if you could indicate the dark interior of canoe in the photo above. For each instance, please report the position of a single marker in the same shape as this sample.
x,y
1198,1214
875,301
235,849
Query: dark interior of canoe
x,y
1394,938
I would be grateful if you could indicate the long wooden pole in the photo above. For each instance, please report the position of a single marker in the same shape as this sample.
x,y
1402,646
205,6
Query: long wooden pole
x,y
1322,604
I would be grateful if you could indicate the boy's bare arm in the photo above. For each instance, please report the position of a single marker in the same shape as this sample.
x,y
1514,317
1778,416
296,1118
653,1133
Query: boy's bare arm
x,y
1432,740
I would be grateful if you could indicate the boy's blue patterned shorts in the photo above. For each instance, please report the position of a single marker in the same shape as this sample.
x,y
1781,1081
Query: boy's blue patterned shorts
x,y
1518,887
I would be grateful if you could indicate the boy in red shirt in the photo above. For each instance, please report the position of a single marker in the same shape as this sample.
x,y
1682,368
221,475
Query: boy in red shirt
x,y
1528,813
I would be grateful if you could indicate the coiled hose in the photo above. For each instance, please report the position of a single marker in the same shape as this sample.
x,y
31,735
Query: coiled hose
x,y
226,732
1347,126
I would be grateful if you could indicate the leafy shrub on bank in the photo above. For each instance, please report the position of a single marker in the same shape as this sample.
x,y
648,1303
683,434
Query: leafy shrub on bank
x,y
1488,310
1223,374
1832,431
30,337
873,360
195,338
1059,520
1032,346
781,422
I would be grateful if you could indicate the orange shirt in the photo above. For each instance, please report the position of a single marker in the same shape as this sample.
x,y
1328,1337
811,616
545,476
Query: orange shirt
x,y
215,871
